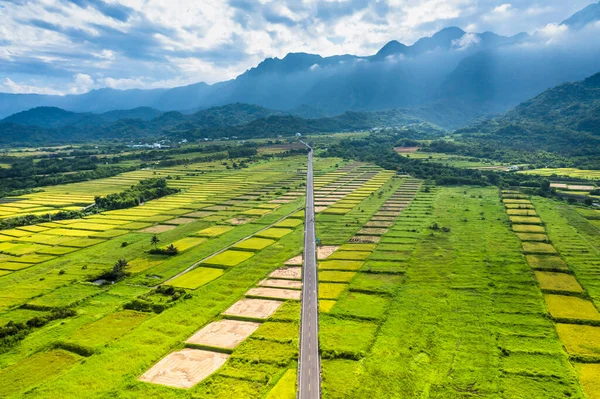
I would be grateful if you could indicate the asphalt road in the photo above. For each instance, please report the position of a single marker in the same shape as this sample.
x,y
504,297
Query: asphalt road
x,y
309,366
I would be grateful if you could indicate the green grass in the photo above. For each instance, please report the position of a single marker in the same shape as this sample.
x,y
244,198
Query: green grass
x,y
214,231
254,244
339,265
35,370
285,387
65,296
378,283
228,258
335,276
349,255
274,233
265,351
538,248
331,290
277,331
196,278
345,338
355,304
108,328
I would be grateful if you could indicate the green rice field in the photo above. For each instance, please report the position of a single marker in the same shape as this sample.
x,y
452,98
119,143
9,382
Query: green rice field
x,y
424,291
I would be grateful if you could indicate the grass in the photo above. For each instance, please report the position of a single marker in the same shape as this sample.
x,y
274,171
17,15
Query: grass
x,y
254,244
339,265
342,338
228,258
277,331
274,233
285,387
525,219
108,328
291,223
588,375
349,255
256,350
355,304
196,278
552,281
325,305
525,228
35,370
538,248
580,340
214,231
64,296
335,276
546,262
571,308
378,283
331,290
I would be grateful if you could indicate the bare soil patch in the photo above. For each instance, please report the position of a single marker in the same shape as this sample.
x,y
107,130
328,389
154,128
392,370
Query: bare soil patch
x,y
224,333
256,308
325,251
179,221
406,150
277,283
320,208
278,293
160,228
238,221
198,214
184,368
296,260
365,239
288,272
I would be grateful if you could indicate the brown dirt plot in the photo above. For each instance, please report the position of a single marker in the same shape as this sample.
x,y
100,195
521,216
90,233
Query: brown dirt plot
x,y
224,333
256,308
278,293
158,229
184,368
287,272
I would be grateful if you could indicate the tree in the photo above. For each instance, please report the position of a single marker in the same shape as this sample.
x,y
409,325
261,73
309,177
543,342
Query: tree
x,y
154,240
118,270
171,250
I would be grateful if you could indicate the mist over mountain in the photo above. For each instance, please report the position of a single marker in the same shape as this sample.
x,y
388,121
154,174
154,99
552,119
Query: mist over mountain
x,y
448,78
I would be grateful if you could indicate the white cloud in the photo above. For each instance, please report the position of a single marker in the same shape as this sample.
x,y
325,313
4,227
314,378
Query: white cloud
x,y
207,40
466,41
9,86
505,8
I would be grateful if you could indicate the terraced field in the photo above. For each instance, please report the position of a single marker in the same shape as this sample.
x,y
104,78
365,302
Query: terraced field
x,y
424,291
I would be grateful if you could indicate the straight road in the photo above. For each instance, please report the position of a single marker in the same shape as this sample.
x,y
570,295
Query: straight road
x,y
309,366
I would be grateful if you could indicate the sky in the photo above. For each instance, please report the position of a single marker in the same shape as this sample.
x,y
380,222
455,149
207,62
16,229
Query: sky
x,y
73,46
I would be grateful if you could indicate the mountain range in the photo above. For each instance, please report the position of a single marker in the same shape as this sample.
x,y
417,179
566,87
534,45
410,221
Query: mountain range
x,y
449,79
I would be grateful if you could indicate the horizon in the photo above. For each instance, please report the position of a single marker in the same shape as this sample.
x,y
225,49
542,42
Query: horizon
x,y
124,45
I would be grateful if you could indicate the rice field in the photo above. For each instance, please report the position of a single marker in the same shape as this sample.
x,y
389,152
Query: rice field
x,y
499,301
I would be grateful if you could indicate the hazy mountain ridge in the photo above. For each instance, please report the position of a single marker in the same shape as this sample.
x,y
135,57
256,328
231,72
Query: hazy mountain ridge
x,y
239,120
484,72
564,119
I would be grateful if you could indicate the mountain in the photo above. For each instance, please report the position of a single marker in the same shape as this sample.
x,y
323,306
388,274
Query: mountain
x,y
469,74
48,117
584,17
233,120
563,120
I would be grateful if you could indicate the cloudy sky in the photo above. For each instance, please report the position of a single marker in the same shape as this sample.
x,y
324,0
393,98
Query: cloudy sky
x,y
72,46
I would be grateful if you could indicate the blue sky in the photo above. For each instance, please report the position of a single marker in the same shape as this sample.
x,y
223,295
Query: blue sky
x,y
72,46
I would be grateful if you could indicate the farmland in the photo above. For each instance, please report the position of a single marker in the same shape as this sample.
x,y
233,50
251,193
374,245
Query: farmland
x,y
424,290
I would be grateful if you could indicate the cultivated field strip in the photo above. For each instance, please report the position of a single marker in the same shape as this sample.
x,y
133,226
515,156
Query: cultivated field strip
x,y
106,333
356,286
576,318
268,326
577,240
